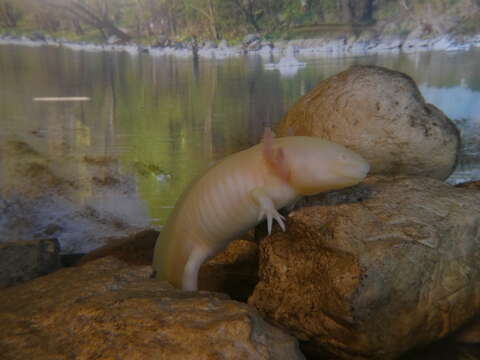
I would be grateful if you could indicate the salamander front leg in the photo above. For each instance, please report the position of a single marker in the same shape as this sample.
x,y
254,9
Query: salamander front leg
x,y
267,208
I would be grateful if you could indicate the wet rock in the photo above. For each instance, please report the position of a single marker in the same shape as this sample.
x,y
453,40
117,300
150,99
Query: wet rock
x,y
113,39
223,44
254,45
209,44
250,38
43,201
373,271
25,260
267,44
134,249
382,115
38,36
179,46
143,49
107,309
234,271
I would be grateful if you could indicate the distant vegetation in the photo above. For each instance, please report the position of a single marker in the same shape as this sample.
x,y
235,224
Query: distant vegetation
x,y
150,20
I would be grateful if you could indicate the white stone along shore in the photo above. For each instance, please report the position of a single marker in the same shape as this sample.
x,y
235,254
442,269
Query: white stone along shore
x,y
319,47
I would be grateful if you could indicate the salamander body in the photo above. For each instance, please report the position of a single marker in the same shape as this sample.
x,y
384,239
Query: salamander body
x,y
243,189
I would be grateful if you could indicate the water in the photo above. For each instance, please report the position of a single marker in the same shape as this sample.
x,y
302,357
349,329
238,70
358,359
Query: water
x,y
162,120
123,158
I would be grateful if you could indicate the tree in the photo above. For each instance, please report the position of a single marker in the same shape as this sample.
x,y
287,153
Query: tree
x,y
251,11
209,10
95,13
357,11
9,14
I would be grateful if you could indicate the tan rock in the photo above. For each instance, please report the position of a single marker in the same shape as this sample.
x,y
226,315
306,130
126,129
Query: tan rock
x,y
232,271
381,114
107,309
134,249
373,271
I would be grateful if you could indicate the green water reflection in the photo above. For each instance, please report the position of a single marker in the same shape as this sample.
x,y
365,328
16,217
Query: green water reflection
x,y
168,119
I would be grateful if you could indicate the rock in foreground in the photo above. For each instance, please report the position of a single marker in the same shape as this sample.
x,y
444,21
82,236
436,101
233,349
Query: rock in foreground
x,y
105,309
232,271
25,260
373,271
382,115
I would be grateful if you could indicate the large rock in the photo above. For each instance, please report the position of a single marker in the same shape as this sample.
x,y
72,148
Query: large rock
x,y
134,249
232,271
25,260
373,271
380,114
107,309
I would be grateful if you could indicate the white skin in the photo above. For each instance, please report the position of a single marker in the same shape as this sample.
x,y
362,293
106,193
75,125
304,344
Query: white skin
x,y
241,191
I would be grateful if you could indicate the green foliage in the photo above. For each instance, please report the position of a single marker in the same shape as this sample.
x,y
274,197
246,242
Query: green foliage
x,y
147,21
468,26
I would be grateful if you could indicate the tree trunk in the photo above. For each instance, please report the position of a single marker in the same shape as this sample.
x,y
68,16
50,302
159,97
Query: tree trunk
x,y
213,20
77,27
346,9
9,16
82,12
247,8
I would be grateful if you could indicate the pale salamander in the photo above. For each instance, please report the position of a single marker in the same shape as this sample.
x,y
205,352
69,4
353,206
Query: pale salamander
x,y
243,189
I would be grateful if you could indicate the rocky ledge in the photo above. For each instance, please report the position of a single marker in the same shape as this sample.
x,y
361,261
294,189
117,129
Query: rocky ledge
x,y
254,45
107,309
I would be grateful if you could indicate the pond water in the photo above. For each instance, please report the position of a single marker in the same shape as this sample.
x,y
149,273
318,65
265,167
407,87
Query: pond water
x,y
153,123
162,120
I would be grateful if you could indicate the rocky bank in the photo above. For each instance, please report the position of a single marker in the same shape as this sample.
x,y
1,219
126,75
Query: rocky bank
x,y
337,46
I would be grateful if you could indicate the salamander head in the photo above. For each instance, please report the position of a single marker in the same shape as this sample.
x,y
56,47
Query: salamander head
x,y
317,165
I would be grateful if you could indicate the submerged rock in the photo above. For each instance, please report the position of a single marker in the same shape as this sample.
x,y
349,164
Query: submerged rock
x,y
373,271
21,261
382,115
44,194
107,309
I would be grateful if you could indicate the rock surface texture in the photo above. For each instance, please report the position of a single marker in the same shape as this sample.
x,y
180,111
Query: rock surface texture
x,y
382,115
234,271
106,309
25,260
375,270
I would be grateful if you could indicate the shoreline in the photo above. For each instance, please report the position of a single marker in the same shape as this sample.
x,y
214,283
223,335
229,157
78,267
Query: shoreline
x,y
342,46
